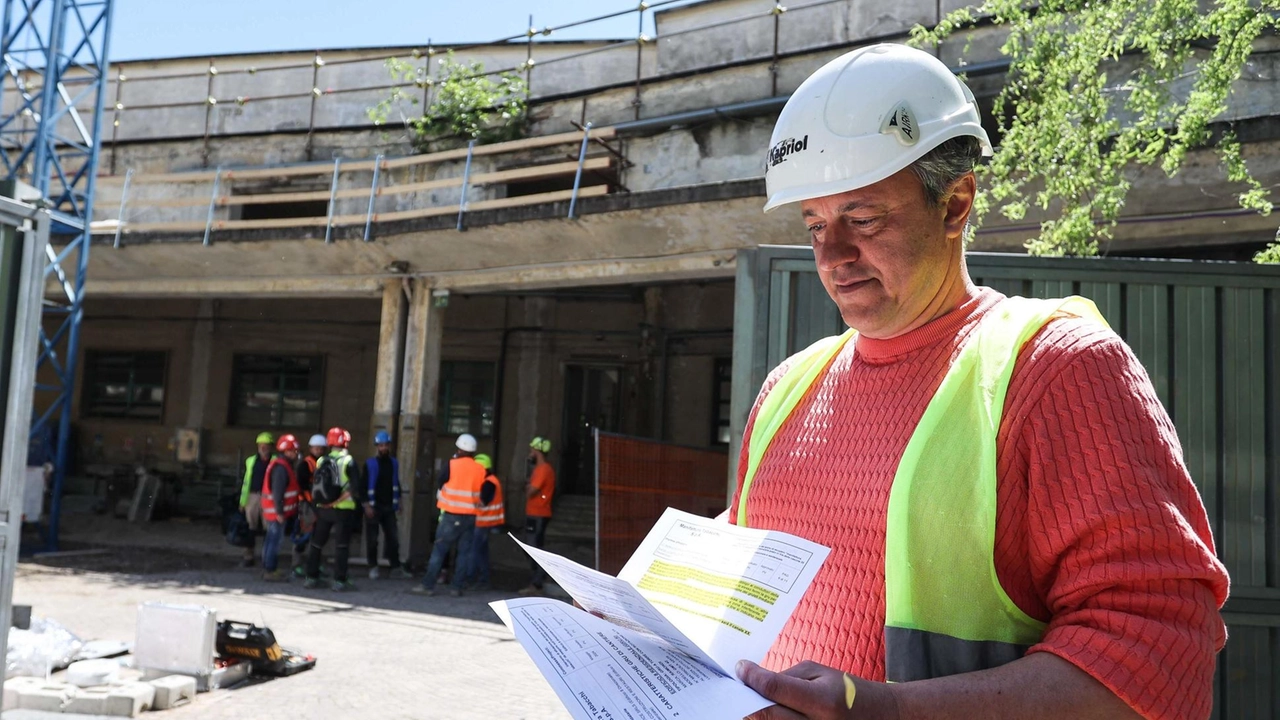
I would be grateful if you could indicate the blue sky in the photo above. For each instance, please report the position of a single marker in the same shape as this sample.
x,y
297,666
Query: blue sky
x,y
175,28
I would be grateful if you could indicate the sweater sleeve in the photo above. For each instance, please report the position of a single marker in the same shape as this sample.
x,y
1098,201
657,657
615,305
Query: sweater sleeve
x,y
1118,546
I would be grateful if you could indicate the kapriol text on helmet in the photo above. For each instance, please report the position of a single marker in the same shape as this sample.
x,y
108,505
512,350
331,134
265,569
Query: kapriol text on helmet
x,y
786,148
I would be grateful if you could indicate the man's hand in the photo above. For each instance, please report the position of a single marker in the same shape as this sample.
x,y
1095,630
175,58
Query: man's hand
x,y
816,692
368,511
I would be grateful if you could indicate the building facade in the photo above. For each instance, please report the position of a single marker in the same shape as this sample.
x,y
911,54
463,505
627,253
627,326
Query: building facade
x,y
268,259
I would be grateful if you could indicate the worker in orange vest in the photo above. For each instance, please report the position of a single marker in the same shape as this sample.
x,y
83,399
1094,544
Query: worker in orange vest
x,y
279,504
459,499
490,519
537,508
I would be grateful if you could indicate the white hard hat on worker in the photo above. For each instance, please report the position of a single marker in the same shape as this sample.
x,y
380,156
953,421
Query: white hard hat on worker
x,y
863,117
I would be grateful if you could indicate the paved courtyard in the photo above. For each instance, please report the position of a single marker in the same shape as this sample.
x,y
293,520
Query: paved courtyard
x,y
382,652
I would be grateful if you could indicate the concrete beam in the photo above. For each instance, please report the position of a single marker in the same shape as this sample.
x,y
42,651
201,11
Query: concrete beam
x,y
327,286
689,266
417,437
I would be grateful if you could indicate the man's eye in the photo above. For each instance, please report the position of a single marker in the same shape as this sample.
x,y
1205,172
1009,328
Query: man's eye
x,y
815,229
862,222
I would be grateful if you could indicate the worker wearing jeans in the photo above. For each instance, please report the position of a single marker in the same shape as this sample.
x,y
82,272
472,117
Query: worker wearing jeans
x,y
459,499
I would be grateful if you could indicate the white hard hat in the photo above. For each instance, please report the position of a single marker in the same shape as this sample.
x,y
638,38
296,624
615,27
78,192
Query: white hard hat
x,y
863,117
318,440
466,442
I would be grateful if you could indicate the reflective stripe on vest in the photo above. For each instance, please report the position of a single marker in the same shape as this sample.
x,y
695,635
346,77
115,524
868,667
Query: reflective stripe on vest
x,y
290,492
945,610
461,495
492,515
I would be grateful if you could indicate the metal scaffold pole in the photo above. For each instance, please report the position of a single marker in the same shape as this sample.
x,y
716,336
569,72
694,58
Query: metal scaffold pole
x,y
55,55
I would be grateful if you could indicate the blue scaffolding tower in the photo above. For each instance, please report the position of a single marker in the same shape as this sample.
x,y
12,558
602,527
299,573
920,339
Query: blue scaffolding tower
x,y
51,93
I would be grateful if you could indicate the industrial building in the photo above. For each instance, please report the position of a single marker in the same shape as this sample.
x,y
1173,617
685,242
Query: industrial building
x,y
266,258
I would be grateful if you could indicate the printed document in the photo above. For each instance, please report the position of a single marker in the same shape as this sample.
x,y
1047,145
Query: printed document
x,y
661,640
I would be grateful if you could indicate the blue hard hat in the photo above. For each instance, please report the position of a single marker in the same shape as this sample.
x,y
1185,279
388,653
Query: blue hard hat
x,y
382,437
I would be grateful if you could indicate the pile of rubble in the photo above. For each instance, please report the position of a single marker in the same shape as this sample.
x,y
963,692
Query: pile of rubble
x,y
180,650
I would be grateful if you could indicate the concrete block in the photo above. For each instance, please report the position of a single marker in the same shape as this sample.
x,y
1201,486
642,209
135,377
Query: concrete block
x,y
88,701
173,690
13,687
46,696
130,700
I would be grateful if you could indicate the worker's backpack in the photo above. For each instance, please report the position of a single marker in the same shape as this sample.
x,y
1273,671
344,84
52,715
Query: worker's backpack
x,y
327,484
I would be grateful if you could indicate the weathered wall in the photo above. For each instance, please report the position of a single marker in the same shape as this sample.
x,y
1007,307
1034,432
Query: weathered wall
x,y
555,330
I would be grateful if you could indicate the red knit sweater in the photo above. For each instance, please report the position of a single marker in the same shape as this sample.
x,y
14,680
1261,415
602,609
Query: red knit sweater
x,y
1099,530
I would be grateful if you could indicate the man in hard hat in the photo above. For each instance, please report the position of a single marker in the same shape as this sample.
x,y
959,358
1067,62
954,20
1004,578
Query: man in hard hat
x,y
382,506
459,502
255,471
337,512
304,523
490,519
279,504
1013,532
537,507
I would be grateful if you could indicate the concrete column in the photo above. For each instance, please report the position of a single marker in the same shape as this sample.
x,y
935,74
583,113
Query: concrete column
x,y
535,382
416,441
201,351
389,378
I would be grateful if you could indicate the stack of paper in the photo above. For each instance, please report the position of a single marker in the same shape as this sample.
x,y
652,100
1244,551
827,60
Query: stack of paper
x,y
661,639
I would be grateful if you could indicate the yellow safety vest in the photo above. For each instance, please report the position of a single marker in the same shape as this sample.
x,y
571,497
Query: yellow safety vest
x,y
945,611
248,477
344,461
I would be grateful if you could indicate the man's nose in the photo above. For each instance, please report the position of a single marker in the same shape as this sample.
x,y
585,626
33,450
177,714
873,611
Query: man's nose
x,y
837,248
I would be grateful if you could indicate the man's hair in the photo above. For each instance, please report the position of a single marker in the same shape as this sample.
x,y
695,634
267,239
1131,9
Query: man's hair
x,y
942,166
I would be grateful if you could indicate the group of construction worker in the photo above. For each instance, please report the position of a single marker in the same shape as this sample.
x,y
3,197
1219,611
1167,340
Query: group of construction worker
x,y
310,497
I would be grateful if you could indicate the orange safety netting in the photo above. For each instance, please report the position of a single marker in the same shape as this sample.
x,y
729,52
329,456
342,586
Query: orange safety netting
x,y
637,479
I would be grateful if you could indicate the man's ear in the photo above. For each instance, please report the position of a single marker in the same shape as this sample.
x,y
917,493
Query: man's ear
x,y
958,204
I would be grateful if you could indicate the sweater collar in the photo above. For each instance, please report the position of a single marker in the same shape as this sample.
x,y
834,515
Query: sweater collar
x,y
977,301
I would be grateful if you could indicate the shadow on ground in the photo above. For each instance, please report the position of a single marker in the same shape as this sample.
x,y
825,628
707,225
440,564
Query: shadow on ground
x,y
203,571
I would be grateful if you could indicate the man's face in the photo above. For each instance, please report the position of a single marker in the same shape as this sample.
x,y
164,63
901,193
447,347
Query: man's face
x,y
264,450
384,449
318,450
291,455
885,254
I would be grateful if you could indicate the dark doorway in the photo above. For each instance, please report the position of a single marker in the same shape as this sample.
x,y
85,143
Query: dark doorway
x,y
591,402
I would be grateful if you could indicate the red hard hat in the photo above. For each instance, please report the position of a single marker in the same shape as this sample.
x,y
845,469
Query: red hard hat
x,y
287,443
338,437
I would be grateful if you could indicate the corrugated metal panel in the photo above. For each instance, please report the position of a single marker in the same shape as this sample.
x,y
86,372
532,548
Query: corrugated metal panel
x,y
1209,337
1194,405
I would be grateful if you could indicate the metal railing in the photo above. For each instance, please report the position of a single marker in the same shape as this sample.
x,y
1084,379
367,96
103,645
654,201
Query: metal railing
x,y
228,81
223,180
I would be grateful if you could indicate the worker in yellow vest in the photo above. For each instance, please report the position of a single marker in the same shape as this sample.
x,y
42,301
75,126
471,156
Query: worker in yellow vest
x,y
489,520
459,502
255,473
1013,531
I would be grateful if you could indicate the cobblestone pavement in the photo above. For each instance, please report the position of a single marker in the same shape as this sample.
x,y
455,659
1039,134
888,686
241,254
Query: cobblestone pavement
x,y
382,653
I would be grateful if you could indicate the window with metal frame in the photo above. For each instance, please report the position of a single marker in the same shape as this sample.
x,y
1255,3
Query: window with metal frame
x,y
124,384
466,398
721,391
277,391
